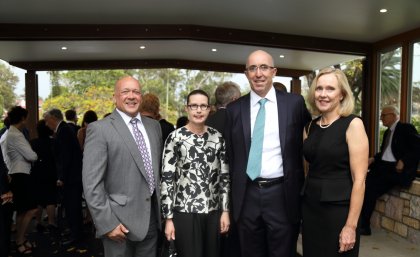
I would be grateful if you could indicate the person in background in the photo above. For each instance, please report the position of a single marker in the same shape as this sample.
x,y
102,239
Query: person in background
x,y
149,107
265,160
224,94
121,173
337,149
280,86
21,156
44,176
181,121
71,117
395,164
68,159
89,117
6,200
195,183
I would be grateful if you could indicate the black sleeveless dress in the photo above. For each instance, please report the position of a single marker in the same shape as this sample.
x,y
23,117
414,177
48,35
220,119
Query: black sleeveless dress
x,y
327,190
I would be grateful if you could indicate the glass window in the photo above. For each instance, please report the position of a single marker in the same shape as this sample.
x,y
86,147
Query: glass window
x,y
389,82
415,88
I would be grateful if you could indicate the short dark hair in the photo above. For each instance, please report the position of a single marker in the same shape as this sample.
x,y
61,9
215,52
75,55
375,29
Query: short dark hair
x,y
197,92
70,114
89,116
16,114
43,130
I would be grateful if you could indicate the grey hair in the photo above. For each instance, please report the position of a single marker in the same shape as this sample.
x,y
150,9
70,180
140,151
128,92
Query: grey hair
x,y
393,108
56,113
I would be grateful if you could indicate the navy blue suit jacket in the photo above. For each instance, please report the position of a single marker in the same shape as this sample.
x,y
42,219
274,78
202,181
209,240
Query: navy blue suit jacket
x,y
405,146
292,117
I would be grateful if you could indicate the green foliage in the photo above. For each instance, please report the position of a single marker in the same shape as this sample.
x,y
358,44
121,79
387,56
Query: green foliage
x,y
8,82
98,99
415,120
390,78
93,90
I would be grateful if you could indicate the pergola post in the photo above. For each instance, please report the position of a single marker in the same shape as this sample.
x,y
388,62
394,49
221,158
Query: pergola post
x,y
295,85
31,98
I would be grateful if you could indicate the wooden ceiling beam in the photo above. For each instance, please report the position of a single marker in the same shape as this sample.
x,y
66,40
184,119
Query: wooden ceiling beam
x,y
29,32
145,64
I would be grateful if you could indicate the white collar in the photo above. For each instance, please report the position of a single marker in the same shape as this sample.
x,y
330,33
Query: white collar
x,y
271,96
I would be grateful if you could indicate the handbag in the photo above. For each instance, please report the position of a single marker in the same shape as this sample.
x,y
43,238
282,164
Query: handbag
x,y
168,249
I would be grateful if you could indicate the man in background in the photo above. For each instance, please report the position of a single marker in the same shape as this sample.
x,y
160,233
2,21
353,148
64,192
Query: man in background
x,y
68,158
224,94
71,117
395,164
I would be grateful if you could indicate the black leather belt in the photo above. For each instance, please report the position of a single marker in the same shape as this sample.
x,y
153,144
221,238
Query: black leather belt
x,y
267,182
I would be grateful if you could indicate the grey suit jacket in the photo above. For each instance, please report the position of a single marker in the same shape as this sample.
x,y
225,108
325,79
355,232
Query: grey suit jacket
x,y
114,178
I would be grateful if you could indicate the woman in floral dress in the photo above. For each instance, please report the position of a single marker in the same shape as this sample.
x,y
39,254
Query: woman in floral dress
x,y
195,183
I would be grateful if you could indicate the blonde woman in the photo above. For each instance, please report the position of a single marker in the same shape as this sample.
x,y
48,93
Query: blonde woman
x,y
336,148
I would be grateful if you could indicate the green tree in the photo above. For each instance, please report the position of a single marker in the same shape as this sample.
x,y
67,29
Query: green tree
x,y
76,89
79,81
8,82
390,77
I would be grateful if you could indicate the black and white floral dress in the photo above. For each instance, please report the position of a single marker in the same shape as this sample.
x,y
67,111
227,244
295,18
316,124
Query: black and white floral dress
x,y
195,173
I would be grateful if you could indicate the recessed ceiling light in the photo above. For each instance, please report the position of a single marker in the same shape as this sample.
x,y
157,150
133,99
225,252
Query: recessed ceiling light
x,y
142,47
383,10
64,48
214,50
281,56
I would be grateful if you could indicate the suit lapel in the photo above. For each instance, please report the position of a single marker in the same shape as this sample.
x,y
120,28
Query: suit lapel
x,y
282,119
125,134
246,121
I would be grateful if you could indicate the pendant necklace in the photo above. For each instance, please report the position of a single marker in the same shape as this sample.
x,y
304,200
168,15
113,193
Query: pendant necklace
x,y
329,124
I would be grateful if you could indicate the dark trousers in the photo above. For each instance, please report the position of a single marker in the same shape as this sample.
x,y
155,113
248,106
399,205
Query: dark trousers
x,y
197,234
263,226
72,201
6,212
229,243
380,179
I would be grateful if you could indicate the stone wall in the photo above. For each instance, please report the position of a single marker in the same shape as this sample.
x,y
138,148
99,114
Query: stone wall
x,y
398,211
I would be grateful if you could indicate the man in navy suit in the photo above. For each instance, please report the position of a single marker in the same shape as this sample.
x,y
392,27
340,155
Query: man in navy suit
x,y
266,208
68,157
395,164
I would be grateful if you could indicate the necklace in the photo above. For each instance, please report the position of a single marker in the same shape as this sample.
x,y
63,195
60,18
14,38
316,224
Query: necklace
x,y
329,124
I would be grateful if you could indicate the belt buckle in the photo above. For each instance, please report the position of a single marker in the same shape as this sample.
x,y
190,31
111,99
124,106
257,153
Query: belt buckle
x,y
262,183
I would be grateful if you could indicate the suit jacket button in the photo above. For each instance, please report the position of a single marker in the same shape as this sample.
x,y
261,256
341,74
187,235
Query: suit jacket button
x,y
147,199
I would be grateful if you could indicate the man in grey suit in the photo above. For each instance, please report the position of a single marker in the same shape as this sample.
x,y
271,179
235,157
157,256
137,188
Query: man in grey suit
x,y
121,175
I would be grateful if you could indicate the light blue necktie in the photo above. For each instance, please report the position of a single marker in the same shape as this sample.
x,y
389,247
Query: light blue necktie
x,y
255,153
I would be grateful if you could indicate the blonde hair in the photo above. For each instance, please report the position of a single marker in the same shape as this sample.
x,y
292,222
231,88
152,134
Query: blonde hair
x,y
346,104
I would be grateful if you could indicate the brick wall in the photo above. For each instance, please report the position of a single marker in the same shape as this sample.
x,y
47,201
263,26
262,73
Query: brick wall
x,y
398,211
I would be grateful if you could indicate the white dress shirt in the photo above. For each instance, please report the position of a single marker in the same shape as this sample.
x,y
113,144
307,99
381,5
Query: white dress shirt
x,y
141,127
272,161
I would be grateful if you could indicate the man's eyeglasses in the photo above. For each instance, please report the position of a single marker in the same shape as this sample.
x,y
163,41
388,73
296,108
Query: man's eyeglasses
x,y
194,107
254,68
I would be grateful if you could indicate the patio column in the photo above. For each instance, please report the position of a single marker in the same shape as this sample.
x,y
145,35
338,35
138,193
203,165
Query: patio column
x,y
31,98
